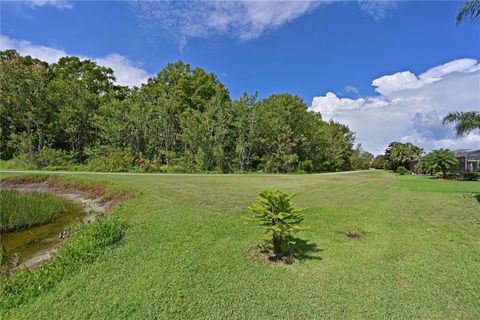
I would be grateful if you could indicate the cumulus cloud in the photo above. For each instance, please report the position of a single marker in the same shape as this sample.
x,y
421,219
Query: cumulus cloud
x,y
410,108
127,72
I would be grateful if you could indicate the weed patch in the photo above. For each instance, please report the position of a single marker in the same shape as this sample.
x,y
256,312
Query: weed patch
x,y
88,243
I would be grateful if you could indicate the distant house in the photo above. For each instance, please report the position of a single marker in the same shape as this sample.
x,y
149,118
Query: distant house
x,y
468,160
412,165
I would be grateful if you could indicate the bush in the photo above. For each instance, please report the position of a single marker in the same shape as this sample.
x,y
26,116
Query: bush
x,y
145,165
114,161
471,176
306,165
49,157
453,175
276,212
18,162
448,175
402,171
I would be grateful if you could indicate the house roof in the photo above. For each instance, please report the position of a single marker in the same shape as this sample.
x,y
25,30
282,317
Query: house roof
x,y
469,154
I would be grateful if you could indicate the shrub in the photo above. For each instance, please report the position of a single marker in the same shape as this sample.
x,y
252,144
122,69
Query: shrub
x,y
114,161
402,171
472,176
20,161
48,157
276,212
453,175
306,165
448,175
146,165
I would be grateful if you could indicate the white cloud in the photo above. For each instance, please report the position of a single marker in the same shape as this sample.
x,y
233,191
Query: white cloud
x,y
127,72
237,19
243,20
390,84
26,48
377,10
351,89
410,108
60,4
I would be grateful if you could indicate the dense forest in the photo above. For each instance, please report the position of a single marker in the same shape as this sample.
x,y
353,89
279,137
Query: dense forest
x,y
71,114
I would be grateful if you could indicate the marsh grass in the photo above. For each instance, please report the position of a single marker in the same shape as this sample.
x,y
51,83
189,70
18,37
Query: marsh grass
x,y
25,209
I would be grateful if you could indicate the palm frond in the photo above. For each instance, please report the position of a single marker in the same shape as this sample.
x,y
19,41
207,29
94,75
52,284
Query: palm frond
x,y
470,9
465,122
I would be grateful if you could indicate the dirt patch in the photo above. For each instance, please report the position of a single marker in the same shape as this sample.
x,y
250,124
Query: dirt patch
x,y
62,186
92,203
265,256
354,234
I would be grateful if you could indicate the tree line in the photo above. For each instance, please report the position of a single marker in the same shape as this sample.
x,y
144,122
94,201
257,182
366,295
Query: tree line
x,y
72,113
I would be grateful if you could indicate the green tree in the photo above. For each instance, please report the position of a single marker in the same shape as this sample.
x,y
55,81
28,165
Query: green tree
x,y
27,118
399,154
78,87
443,159
338,147
275,211
361,159
427,164
180,94
379,162
278,135
243,130
469,9
465,122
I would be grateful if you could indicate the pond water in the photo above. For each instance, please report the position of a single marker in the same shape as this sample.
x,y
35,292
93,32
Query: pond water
x,y
30,246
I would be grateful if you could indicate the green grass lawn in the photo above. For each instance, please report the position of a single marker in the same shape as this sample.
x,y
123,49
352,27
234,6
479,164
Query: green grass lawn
x,y
186,252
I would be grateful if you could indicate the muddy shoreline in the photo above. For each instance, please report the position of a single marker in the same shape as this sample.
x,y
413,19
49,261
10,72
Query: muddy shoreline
x,y
91,205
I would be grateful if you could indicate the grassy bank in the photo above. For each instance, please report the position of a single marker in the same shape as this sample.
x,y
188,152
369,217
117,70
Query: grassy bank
x,y
187,252
22,209
85,244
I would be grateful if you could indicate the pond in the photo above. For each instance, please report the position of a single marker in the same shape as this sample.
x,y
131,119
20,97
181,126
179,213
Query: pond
x,y
29,247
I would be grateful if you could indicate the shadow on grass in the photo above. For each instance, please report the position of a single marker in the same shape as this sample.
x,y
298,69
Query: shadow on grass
x,y
477,196
297,249
302,249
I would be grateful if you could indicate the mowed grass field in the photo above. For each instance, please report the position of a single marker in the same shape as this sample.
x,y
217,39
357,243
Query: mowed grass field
x,y
187,252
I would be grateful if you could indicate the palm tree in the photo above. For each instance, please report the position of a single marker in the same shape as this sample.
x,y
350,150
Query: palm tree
x,y
427,164
465,121
443,159
470,8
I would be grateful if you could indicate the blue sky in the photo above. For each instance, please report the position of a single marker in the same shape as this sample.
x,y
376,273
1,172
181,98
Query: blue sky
x,y
329,53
